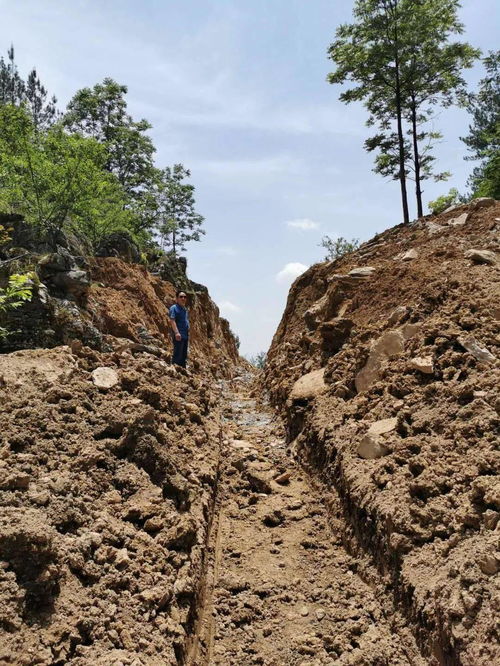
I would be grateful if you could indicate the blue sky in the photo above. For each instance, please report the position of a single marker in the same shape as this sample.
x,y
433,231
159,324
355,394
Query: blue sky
x,y
236,91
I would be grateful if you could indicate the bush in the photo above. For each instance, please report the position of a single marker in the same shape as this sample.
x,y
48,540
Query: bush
x,y
453,198
338,247
17,292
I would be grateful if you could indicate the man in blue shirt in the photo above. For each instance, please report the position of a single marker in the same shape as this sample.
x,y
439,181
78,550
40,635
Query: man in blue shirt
x,y
179,322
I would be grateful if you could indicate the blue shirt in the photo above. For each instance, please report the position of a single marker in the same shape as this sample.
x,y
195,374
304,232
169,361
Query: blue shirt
x,y
181,317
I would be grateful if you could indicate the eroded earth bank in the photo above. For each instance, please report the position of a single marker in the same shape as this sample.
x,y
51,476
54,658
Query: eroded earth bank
x,y
154,516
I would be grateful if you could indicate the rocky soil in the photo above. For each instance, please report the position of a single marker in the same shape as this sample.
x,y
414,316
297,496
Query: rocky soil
x,y
385,366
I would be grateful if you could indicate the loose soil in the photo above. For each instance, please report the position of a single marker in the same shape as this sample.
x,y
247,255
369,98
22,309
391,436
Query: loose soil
x,y
280,587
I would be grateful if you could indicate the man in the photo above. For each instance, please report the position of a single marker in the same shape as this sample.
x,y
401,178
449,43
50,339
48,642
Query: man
x,y
179,322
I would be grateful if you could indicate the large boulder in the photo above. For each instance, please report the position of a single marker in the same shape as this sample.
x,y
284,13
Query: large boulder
x,y
119,244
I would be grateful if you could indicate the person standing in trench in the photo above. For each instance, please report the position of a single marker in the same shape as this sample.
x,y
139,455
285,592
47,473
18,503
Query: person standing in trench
x,y
179,322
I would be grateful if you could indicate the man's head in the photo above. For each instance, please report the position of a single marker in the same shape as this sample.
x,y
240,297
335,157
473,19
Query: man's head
x,y
181,297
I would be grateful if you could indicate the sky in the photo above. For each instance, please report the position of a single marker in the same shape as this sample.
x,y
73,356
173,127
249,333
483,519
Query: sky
x,y
236,91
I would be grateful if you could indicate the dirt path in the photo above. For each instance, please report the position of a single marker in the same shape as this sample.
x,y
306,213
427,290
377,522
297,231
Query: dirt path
x,y
280,588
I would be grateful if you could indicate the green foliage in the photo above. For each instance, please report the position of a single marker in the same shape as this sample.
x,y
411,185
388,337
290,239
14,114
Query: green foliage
x,y
259,360
398,57
483,140
17,292
177,220
90,170
30,93
453,198
338,247
55,179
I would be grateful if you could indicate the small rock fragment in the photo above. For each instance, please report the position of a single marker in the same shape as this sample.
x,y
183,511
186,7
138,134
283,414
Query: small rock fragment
x,y
423,364
105,378
383,426
363,272
481,256
372,447
489,564
284,478
471,345
482,202
273,518
304,611
410,255
459,221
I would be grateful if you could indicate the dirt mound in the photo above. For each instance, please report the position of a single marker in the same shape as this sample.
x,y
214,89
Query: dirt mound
x,y
126,301
106,497
404,422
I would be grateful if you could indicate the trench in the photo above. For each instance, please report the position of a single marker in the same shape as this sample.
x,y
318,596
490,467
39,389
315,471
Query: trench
x,y
279,585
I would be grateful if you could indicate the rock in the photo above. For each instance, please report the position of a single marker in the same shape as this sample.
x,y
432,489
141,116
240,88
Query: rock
x,y
260,482
119,244
482,202
154,524
471,345
14,481
320,614
304,611
481,256
105,378
284,478
308,386
410,255
122,559
363,272
433,228
383,426
389,345
273,518
371,447
423,364
75,282
397,315
489,564
459,221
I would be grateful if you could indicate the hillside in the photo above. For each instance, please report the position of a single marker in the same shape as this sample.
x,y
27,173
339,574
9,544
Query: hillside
x,y
385,367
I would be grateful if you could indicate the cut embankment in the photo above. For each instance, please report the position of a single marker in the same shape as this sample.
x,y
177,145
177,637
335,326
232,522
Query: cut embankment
x,y
386,368
107,482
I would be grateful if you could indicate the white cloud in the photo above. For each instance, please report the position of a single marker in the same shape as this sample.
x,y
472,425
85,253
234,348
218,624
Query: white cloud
x,y
227,307
290,272
304,224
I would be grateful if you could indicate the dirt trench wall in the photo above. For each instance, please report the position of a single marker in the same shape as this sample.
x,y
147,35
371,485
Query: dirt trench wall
x,y
106,499
398,409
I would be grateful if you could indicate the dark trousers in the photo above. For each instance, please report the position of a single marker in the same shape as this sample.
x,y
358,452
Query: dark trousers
x,y
179,357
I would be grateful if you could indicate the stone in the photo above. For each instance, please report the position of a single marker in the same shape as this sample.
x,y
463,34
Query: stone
x,y
304,611
105,378
423,364
75,282
410,255
481,256
363,272
459,221
320,614
389,345
308,386
471,345
482,202
122,559
273,518
433,228
383,426
284,478
397,315
489,564
371,447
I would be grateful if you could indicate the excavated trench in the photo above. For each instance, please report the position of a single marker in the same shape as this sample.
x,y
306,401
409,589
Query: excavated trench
x,y
279,586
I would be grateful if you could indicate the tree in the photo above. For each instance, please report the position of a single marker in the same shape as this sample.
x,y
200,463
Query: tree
x,y
259,360
178,222
101,113
483,140
338,247
399,56
55,179
30,93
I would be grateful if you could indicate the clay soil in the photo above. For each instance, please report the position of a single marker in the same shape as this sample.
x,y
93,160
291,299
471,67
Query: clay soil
x,y
413,344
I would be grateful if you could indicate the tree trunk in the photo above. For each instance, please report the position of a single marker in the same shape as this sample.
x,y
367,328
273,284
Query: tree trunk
x,y
399,117
416,160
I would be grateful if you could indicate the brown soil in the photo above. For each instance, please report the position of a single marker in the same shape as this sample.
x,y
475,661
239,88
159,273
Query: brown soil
x,y
106,500
426,511
281,589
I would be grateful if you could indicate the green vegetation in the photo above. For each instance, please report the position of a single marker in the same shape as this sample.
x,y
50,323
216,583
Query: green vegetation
x,y
453,198
483,140
17,292
398,56
90,169
259,360
338,247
